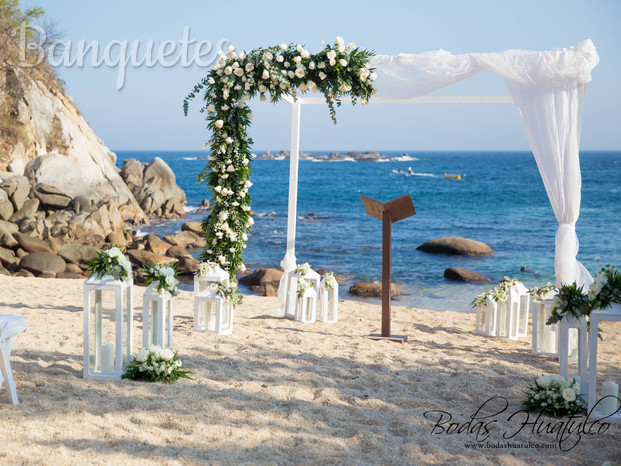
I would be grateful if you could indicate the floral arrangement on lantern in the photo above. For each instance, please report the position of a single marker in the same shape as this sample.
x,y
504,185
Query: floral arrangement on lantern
x,y
555,395
572,300
337,70
167,285
113,262
304,285
156,364
303,269
539,293
205,268
230,294
498,294
330,281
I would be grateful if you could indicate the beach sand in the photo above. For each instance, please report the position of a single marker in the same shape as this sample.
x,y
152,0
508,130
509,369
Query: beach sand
x,y
279,391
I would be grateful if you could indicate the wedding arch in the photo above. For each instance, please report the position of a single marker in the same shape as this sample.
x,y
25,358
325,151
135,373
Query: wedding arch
x,y
546,87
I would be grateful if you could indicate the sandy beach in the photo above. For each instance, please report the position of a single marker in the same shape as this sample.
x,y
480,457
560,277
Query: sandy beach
x,y
278,391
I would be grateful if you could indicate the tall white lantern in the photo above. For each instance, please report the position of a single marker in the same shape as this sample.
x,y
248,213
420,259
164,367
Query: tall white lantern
x,y
568,325
157,318
545,337
329,300
108,331
212,313
512,313
486,318
292,290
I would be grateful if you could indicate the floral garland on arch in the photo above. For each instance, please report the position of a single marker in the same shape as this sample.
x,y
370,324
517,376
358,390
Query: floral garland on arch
x,y
337,70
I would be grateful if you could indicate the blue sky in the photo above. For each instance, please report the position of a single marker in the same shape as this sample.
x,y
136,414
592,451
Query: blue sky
x,y
147,112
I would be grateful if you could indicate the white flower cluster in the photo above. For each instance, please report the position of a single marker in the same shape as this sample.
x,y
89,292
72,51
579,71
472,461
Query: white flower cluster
x,y
597,285
304,285
116,257
164,277
538,294
157,360
498,294
555,394
205,268
330,281
303,269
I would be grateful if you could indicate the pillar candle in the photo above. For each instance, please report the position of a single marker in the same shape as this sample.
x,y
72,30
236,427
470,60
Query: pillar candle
x,y
107,359
609,405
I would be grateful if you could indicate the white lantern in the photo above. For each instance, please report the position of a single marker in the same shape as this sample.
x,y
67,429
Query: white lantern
x,y
329,301
568,325
607,406
157,318
486,318
306,308
213,313
512,313
108,332
545,337
292,290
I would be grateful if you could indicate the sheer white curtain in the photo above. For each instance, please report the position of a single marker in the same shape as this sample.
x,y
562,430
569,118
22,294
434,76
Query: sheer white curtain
x,y
548,91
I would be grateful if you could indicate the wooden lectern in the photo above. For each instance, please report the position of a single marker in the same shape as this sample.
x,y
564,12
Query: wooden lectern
x,y
389,213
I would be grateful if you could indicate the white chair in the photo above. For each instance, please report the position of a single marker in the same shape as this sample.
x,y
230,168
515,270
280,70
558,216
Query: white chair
x,y
10,327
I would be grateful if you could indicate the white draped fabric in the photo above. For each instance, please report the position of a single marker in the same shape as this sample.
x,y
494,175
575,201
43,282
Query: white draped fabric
x,y
548,91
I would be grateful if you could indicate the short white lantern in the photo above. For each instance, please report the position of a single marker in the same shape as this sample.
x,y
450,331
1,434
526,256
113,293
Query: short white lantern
x,y
486,318
157,318
212,313
108,331
306,308
510,315
329,300
569,325
608,405
292,290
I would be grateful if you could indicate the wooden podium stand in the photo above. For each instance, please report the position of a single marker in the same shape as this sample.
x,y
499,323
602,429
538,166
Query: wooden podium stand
x,y
389,213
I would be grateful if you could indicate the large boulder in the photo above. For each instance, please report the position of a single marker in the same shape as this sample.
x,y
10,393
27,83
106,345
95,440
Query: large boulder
x,y
7,257
76,253
29,209
156,245
17,188
9,226
32,244
155,189
261,277
146,258
7,239
194,227
372,290
42,263
51,196
178,252
457,246
464,275
183,239
58,171
6,206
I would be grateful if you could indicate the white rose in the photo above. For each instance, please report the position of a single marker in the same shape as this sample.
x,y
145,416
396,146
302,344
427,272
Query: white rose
x,y
341,48
344,88
249,67
142,355
339,40
245,161
544,381
230,48
321,65
242,55
364,74
166,354
266,74
299,48
332,62
303,87
351,46
232,55
569,394
283,46
250,221
291,74
331,55
287,64
219,123
225,107
247,184
235,65
299,73
238,72
211,81
297,59
223,216
269,56
211,108
228,70
218,189
280,59
311,65
322,75
343,62
262,88
229,140
244,236
247,86
305,53
373,76
230,169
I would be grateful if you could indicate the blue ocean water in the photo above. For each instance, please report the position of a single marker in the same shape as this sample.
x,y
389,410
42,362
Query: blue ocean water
x,y
500,200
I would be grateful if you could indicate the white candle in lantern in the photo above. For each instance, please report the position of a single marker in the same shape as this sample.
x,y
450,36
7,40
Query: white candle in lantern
x,y
549,342
107,359
609,405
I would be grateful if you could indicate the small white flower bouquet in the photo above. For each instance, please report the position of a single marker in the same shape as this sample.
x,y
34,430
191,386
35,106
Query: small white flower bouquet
x,y
156,364
167,285
113,262
555,395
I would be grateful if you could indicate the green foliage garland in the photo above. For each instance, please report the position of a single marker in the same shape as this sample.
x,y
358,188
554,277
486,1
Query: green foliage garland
x,y
337,70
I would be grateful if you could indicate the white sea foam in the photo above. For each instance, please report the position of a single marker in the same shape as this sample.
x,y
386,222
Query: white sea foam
x,y
384,160
279,158
430,175
404,158
190,208
190,158
139,233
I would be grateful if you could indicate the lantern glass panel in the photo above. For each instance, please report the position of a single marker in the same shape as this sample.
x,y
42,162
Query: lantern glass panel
x,y
226,316
502,315
309,309
207,315
202,285
127,322
154,321
102,331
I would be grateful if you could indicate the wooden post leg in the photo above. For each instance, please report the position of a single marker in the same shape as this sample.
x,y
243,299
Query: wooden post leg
x,y
386,275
